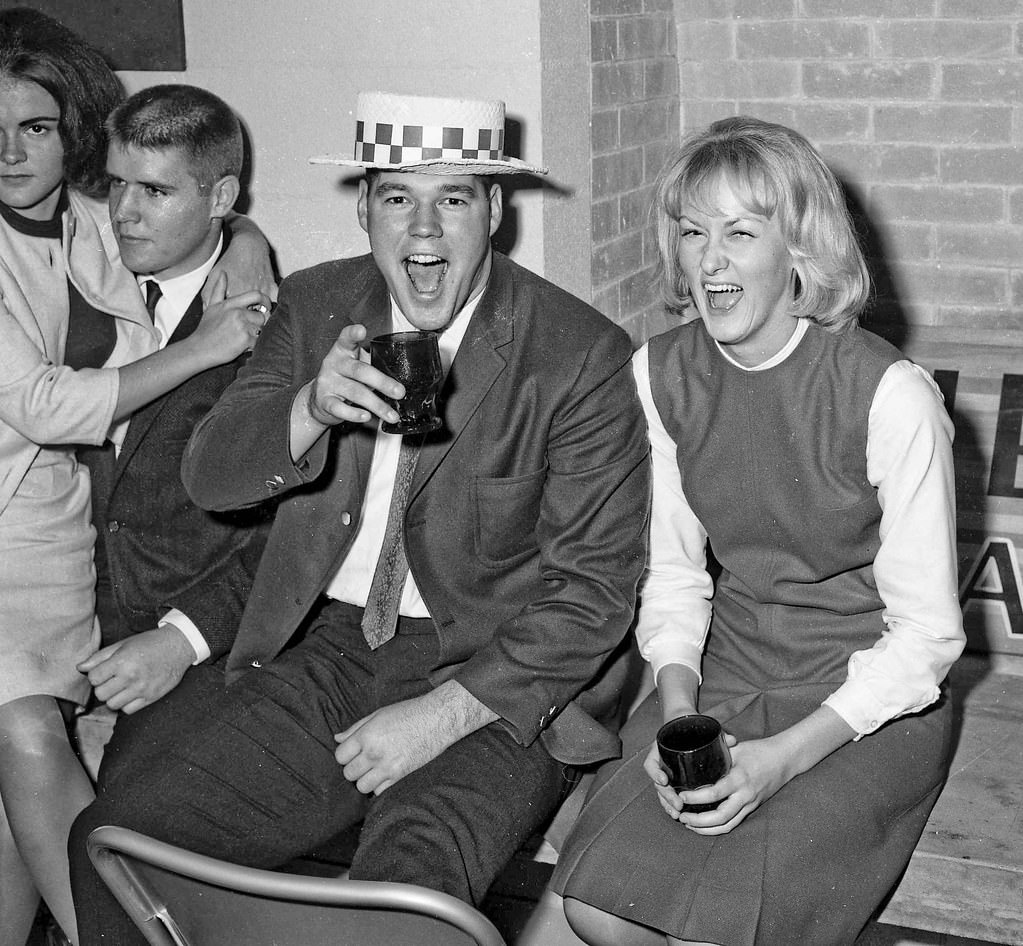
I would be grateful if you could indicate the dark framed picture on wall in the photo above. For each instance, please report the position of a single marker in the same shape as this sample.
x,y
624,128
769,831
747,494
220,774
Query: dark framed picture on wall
x,y
131,34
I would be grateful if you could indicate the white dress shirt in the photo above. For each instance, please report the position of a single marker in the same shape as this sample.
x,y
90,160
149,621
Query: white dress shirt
x,y
909,463
178,293
354,577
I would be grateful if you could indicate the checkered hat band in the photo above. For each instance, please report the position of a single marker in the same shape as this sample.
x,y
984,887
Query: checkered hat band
x,y
406,144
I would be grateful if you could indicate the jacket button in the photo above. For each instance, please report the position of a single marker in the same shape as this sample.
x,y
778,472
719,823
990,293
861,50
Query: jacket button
x,y
346,518
113,526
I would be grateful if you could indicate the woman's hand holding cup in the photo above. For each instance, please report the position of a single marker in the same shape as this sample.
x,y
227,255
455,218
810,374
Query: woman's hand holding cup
x,y
690,752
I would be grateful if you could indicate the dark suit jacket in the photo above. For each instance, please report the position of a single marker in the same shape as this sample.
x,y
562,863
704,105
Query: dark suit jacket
x,y
526,527
163,551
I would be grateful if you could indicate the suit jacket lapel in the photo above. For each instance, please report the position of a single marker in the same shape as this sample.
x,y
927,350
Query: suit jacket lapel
x,y
145,417
476,367
189,321
372,309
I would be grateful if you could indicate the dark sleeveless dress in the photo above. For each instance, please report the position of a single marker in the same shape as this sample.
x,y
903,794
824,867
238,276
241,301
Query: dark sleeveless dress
x,y
92,334
773,463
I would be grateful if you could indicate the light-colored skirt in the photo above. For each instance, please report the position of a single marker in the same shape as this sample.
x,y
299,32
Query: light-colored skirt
x,y
47,582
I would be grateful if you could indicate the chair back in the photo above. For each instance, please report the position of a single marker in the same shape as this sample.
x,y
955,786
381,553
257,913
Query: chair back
x,y
179,898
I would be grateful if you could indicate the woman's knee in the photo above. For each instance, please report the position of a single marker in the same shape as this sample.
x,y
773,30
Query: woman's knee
x,y
599,928
33,736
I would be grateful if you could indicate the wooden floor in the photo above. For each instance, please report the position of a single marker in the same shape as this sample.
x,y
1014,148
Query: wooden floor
x,y
967,870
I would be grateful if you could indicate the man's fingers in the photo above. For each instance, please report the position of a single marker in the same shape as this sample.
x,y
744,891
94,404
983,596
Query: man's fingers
x,y
113,692
349,338
101,673
101,655
89,663
347,390
370,784
345,752
347,371
134,706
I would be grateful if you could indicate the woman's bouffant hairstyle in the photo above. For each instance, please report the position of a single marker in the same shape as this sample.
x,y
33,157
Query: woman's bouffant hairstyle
x,y
36,48
774,171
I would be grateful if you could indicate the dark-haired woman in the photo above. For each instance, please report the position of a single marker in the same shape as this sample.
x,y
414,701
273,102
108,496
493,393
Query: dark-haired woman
x,y
66,303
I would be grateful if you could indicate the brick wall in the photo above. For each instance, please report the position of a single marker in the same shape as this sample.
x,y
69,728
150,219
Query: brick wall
x,y
635,126
917,106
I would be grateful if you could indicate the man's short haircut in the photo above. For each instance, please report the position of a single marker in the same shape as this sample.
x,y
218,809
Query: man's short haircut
x,y
198,122
36,48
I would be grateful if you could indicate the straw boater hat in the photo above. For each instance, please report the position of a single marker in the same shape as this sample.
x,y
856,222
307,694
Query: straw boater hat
x,y
429,135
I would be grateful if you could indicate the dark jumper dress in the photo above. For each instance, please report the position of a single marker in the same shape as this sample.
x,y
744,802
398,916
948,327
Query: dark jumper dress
x,y
784,448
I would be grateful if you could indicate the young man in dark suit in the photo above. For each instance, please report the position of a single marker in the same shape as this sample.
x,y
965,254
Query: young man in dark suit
x,y
174,577
450,731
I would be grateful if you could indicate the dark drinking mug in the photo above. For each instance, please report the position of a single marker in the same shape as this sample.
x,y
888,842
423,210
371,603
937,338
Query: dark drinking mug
x,y
693,751
412,358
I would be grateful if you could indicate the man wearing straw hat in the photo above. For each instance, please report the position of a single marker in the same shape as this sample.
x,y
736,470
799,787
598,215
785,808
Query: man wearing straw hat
x,y
452,731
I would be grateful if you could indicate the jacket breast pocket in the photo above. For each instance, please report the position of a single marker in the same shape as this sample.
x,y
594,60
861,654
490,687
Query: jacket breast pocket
x,y
506,509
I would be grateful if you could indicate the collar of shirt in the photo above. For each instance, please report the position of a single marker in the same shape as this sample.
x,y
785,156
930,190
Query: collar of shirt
x,y
178,293
802,326
450,338
352,581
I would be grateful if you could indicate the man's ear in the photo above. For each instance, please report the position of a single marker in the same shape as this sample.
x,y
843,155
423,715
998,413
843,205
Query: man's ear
x,y
496,207
223,194
363,204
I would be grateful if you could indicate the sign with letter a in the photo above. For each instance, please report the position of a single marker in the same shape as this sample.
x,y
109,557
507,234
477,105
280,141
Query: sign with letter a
x,y
981,376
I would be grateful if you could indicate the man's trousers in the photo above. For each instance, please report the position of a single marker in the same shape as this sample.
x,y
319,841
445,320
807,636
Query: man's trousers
x,y
247,773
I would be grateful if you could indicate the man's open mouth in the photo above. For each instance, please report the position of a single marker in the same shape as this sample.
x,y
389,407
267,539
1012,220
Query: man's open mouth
x,y
723,296
426,272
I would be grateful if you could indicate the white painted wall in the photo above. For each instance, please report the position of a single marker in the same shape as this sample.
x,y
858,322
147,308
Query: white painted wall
x,y
292,71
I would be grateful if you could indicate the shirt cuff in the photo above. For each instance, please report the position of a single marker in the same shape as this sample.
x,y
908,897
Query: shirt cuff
x,y
183,623
865,712
687,655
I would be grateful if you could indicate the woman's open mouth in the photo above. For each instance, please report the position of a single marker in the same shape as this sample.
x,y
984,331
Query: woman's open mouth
x,y
723,297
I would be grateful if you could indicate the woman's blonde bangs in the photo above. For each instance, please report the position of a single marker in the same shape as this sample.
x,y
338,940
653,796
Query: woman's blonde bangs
x,y
773,171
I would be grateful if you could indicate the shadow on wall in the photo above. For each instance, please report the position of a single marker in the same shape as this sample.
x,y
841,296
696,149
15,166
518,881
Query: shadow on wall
x,y
886,317
884,313
507,236
243,204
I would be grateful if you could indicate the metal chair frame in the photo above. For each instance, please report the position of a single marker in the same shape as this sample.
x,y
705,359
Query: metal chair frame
x,y
179,898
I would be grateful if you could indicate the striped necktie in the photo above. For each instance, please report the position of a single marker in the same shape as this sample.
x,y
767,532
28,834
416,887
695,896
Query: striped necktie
x,y
380,619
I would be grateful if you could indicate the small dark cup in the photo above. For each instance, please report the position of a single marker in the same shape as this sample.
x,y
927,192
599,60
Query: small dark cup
x,y
413,358
694,752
